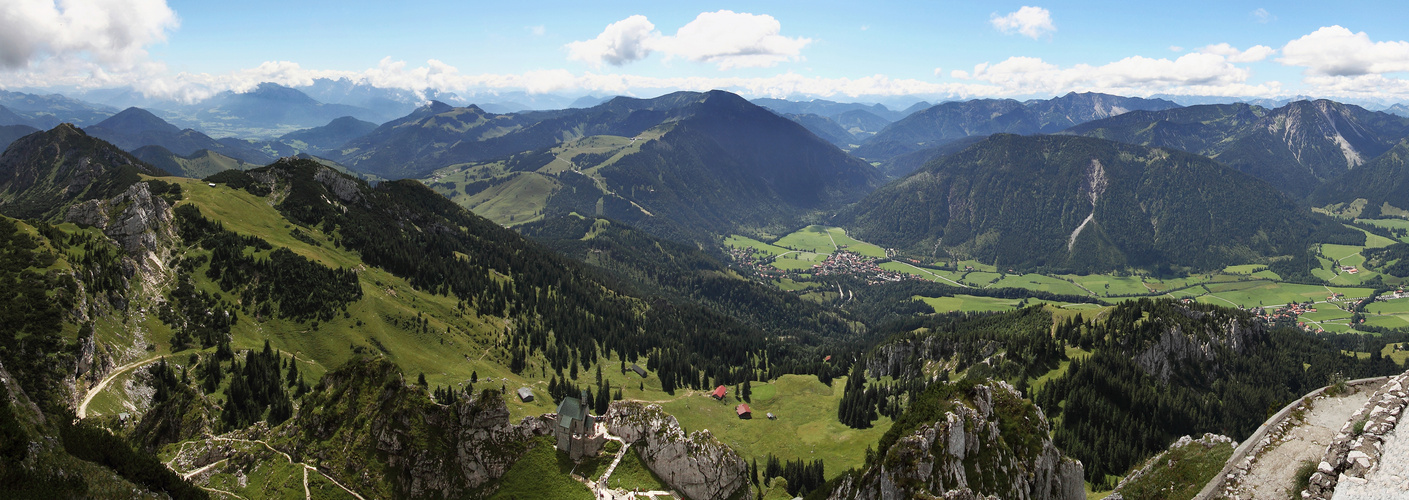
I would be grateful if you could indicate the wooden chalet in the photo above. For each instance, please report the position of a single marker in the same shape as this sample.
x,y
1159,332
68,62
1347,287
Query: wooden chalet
x,y
744,411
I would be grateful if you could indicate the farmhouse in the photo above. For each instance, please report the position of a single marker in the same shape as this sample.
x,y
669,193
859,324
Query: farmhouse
x,y
639,371
719,393
744,411
525,394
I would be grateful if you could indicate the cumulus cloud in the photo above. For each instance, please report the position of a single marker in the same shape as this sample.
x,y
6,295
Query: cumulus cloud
x,y
622,42
1336,51
112,33
1253,54
1032,22
725,38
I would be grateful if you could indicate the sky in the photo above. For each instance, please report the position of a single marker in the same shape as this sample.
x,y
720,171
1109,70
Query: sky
x,y
190,49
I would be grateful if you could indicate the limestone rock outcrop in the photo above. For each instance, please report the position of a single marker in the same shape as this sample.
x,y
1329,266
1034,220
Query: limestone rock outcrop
x,y
696,465
966,454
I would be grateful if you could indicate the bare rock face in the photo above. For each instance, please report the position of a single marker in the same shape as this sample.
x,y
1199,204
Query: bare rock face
x,y
697,465
139,222
364,425
965,455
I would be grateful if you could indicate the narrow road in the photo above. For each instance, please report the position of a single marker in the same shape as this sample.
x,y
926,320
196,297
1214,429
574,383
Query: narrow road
x,y
935,275
834,240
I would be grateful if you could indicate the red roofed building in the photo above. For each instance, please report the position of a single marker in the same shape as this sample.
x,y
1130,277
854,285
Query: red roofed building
x,y
744,411
719,392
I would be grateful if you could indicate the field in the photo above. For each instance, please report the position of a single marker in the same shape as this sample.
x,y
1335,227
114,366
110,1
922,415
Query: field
x,y
849,244
1388,314
543,472
811,238
806,427
1040,282
1388,223
738,241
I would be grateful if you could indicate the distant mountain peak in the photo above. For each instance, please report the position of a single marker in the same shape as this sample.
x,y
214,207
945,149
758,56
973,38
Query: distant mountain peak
x,y
136,120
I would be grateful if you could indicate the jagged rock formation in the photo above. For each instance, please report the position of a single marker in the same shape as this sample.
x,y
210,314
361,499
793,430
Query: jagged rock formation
x,y
378,435
987,443
1355,451
140,222
697,465
1177,345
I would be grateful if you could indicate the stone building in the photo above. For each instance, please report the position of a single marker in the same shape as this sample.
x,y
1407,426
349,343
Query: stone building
x,y
577,432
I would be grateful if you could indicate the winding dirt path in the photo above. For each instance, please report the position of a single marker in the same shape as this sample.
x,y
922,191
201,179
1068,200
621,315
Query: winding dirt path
x,y
306,467
82,411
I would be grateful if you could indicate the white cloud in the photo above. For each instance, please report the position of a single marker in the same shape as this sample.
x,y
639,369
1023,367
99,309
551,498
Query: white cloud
x,y
1032,22
725,38
1195,73
537,30
733,40
1176,48
1253,54
1262,16
622,42
938,71
111,33
1335,51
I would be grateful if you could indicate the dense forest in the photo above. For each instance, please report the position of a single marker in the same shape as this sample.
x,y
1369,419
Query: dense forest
x,y
563,311
1135,395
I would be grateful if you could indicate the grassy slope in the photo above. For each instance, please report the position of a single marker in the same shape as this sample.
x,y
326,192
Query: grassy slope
x,y
806,427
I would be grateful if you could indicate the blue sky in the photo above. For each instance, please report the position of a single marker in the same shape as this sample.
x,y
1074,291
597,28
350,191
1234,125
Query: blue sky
x,y
837,50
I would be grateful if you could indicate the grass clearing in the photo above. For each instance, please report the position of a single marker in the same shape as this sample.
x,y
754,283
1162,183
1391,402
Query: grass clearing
x,y
543,472
806,427
632,474
1179,473
970,303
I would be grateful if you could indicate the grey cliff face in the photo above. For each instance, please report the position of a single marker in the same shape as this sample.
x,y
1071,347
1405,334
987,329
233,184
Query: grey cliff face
x,y
697,465
963,457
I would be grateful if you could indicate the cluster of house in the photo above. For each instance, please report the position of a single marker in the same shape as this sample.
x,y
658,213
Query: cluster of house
x,y
1350,270
850,264
750,259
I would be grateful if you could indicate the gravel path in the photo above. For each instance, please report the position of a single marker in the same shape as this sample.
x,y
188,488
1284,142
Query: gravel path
x,y
1391,480
1274,473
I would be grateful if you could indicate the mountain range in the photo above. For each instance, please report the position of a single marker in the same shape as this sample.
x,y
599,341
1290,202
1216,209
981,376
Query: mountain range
x,y
950,121
1085,205
1295,147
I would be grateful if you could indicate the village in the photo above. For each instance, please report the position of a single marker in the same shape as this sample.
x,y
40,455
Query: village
x,y
840,263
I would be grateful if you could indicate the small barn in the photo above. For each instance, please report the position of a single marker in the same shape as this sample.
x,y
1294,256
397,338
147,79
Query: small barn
x,y
639,371
771,416
525,394
744,411
719,393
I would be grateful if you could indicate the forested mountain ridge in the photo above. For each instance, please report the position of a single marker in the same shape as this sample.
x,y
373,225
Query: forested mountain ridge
x,y
1083,204
134,128
44,172
954,120
1381,181
1295,147
704,165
